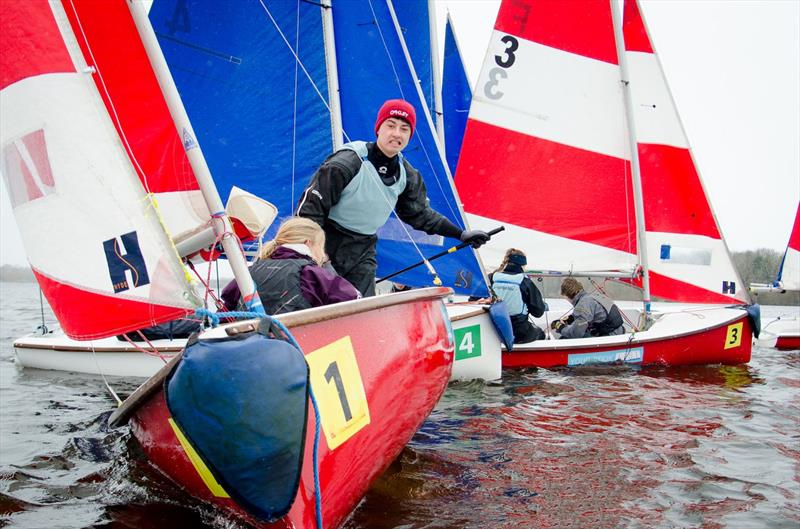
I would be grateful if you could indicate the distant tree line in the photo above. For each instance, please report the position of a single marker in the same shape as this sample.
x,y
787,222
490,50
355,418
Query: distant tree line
x,y
16,274
762,266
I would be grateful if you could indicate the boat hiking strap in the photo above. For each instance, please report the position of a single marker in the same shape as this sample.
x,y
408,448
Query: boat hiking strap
x,y
287,336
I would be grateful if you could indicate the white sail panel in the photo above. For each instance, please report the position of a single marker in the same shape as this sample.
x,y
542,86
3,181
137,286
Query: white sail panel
x,y
654,113
545,96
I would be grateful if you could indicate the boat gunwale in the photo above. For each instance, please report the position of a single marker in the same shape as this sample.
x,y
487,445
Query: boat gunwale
x,y
627,340
128,407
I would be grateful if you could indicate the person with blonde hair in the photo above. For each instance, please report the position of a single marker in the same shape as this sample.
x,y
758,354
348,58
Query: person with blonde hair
x,y
521,296
289,274
593,314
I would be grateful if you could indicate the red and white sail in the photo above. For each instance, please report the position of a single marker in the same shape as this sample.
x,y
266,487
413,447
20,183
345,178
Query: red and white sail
x,y
546,149
84,136
789,275
687,257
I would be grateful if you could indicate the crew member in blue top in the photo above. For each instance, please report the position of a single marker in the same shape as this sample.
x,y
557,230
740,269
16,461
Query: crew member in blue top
x,y
356,188
521,296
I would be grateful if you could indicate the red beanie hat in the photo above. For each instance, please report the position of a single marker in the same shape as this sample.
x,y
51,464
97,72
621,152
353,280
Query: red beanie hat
x,y
397,108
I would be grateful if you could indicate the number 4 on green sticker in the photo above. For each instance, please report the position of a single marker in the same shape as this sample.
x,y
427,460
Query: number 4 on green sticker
x,y
468,342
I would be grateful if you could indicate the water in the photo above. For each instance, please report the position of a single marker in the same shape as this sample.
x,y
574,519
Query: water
x,y
696,447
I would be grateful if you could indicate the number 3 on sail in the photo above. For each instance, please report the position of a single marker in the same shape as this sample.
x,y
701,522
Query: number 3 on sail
x,y
337,385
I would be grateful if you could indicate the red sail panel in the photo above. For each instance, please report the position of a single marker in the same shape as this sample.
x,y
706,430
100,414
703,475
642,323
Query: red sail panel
x,y
543,21
633,30
676,201
86,315
30,42
541,185
794,239
131,93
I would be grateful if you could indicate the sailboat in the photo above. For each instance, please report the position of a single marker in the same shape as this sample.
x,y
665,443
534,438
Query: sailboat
x,y
574,143
278,128
98,155
784,333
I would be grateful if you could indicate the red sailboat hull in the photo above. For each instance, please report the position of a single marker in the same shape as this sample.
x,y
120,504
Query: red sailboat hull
x,y
724,342
787,343
403,349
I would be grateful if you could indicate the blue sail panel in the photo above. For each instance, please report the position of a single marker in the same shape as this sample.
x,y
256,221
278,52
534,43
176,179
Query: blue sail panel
x,y
414,21
259,119
456,99
373,68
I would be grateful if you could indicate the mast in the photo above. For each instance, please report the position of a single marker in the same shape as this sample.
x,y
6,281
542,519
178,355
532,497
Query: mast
x,y
333,74
439,144
436,72
638,198
220,221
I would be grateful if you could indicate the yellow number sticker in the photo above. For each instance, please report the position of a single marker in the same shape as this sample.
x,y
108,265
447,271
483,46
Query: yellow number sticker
x,y
734,336
339,391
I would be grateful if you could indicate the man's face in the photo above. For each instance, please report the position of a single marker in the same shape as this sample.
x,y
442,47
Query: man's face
x,y
393,136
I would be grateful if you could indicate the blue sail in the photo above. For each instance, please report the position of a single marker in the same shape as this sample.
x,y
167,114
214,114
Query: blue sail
x,y
456,99
259,119
373,68
413,17
261,115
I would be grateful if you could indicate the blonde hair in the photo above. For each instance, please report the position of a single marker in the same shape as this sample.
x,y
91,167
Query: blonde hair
x,y
509,253
294,230
570,287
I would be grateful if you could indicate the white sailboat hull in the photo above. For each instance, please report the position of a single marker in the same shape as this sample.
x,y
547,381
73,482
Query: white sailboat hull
x,y
478,350
781,333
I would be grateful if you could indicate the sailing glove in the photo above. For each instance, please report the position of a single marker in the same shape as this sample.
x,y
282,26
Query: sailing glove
x,y
476,238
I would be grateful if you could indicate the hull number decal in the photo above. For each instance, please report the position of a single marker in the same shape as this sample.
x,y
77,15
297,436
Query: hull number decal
x,y
734,336
468,342
339,391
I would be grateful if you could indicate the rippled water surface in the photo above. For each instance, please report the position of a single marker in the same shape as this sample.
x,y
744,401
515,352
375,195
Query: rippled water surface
x,y
695,447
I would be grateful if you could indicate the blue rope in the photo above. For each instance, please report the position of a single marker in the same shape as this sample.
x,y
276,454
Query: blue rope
x,y
317,488
215,317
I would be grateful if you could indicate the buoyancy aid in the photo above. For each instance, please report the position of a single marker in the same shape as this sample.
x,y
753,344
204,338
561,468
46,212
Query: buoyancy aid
x,y
278,284
366,202
507,288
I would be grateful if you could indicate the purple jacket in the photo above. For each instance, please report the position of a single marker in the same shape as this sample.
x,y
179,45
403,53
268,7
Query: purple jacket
x,y
320,286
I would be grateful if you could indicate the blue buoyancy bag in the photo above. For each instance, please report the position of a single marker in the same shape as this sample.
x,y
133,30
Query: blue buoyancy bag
x,y
754,314
242,402
502,323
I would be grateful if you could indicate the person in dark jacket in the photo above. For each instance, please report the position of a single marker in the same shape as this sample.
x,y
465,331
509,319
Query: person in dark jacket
x,y
356,188
593,314
289,274
521,296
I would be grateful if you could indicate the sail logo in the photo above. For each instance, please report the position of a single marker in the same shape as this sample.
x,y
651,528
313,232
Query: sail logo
x,y
126,266
729,287
26,169
463,278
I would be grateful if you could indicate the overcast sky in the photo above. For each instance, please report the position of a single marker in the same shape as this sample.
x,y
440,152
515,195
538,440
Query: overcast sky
x,y
734,70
